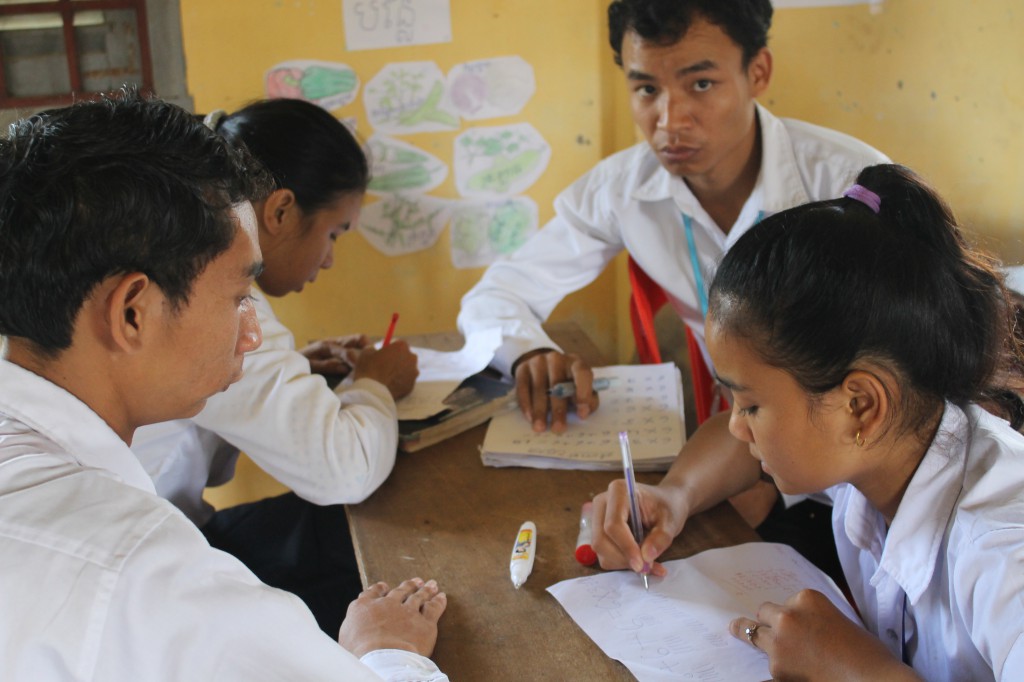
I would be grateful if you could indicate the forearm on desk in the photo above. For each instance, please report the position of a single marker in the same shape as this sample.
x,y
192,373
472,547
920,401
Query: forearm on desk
x,y
712,466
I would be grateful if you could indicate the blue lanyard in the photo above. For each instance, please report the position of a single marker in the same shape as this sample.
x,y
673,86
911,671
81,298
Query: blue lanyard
x,y
698,275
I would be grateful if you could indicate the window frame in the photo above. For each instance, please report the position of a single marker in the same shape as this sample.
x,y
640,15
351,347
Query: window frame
x,y
67,10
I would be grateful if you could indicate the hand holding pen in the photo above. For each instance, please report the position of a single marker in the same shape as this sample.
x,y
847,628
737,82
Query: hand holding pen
x,y
537,372
615,540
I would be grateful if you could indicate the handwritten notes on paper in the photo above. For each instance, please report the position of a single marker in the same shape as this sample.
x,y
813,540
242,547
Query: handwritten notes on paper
x,y
646,400
373,24
679,630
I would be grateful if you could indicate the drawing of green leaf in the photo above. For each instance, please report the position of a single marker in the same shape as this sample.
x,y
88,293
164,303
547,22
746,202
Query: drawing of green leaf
x,y
500,176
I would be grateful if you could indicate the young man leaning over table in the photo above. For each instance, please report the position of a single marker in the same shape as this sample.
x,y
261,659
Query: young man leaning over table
x,y
714,162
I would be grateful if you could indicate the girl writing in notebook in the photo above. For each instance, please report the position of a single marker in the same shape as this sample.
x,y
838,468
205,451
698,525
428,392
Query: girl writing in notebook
x,y
329,448
857,337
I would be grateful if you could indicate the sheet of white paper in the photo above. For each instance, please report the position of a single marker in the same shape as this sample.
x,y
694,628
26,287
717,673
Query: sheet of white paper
x,y
441,373
679,630
645,400
371,24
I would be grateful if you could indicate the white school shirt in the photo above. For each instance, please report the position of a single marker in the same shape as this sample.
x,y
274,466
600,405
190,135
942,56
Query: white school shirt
x,y
100,579
955,550
328,447
629,201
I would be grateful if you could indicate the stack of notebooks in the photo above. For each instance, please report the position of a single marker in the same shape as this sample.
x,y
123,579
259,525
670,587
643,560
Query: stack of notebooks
x,y
646,401
476,400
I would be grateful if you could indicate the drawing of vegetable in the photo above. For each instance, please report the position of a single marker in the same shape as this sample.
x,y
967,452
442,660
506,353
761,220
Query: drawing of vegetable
x,y
411,177
319,82
508,228
500,176
467,236
428,111
284,83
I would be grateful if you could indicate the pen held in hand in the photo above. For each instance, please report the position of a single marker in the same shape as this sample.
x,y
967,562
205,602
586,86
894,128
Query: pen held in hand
x,y
634,507
567,389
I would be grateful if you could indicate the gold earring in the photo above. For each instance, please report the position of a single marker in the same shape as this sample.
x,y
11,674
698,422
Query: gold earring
x,y
858,440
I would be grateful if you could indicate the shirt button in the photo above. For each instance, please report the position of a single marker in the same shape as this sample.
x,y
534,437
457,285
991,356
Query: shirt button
x,y
891,634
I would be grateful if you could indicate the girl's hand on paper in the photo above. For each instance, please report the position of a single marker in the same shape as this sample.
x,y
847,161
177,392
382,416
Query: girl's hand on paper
x,y
662,517
808,638
335,356
393,365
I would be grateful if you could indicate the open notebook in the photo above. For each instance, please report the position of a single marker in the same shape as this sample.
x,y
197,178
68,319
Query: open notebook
x,y
645,400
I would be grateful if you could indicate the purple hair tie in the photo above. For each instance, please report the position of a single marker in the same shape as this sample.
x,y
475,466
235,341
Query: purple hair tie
x,y
864,196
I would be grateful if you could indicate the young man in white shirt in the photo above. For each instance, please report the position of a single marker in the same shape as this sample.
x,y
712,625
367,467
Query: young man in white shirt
x,y
127,253
714,163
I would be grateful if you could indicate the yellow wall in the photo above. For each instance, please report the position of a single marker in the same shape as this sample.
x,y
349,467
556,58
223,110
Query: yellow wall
x,y
229,44
936,84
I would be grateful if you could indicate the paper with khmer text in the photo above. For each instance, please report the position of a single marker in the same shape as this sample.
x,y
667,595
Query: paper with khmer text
x,y
679,630
644,400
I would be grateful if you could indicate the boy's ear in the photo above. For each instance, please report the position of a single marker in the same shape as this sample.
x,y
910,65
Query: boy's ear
x,y
279,209
133,305
868,403
759,71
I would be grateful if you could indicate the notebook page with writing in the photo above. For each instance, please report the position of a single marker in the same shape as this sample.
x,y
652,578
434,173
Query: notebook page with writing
x,y
679,630
645,400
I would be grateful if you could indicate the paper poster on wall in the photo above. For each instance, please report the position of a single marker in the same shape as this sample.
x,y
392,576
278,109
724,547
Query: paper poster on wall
x,y
371,24
488,88
401,167
501,161
482,231
329,84
408,97
400,224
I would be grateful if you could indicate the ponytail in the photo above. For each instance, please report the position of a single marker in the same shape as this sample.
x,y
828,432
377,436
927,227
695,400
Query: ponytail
x,y
823,286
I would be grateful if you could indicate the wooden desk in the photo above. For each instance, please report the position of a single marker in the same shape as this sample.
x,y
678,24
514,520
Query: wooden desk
x,y
444,515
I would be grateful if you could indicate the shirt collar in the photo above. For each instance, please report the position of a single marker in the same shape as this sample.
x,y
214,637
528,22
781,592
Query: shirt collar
x,y
59,416
779,189
918,531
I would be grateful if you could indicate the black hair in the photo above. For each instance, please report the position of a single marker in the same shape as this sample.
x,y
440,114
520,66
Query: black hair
x,y
665,22
304,147
121,184
825,287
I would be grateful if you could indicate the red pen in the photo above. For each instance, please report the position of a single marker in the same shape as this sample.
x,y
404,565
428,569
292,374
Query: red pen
x,y
391,329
